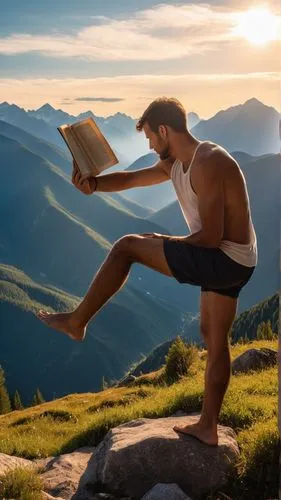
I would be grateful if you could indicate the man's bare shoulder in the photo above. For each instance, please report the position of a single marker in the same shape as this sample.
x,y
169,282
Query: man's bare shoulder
x,y
213,155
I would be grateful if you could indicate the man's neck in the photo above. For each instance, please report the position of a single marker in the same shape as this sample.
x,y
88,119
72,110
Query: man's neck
x,y
186,152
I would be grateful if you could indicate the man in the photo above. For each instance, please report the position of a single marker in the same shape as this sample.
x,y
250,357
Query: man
x,y
219,255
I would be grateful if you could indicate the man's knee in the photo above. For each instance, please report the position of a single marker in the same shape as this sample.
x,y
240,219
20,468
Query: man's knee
x,y
215,342
126,245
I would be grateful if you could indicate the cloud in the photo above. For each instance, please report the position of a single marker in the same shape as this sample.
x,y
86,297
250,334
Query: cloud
x,y
160,33
99,99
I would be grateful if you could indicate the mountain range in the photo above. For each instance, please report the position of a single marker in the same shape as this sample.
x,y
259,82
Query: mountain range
x,y
252,127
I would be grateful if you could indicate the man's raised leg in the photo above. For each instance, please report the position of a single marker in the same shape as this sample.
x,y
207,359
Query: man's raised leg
x,y
217,315
110,278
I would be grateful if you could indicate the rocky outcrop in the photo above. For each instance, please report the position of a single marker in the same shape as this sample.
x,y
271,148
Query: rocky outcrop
x,y
254,359
135,456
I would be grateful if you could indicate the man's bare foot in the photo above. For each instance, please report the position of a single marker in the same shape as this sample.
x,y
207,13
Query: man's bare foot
x,y
206,436
65,323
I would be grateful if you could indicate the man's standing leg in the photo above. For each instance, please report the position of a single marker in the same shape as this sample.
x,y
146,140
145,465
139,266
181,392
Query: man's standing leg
x,y
217,316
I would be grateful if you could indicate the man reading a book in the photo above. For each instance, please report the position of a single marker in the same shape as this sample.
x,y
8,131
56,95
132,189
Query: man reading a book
x,y
219,255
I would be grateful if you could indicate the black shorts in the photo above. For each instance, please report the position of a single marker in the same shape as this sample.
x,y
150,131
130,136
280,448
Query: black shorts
x,y
209,268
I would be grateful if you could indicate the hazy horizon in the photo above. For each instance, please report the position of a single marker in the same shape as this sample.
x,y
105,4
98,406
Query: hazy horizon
x,y
91,108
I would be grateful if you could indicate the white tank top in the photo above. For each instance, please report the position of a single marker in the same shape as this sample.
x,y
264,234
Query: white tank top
x,y
246,255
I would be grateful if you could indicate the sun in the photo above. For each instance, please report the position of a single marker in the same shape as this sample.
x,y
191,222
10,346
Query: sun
x,y
258,25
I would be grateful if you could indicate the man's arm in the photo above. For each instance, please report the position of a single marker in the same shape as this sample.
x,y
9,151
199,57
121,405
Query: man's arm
x,y
119,181
208,185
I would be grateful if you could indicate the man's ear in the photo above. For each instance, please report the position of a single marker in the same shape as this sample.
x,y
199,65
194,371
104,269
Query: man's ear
x,y
163,132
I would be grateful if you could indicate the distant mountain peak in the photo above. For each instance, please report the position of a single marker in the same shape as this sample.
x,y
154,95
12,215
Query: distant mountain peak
x,y
192,119
253,102
46,107
121,114
118,115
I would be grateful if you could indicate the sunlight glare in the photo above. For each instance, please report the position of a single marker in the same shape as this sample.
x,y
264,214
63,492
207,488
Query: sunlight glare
x,y
258,25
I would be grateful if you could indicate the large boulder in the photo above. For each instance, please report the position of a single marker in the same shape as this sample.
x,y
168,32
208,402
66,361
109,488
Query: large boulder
x,y
61,475
254,359
136,455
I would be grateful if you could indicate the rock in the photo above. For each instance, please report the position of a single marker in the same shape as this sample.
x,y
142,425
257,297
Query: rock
x,y
136,455
62,474
8,462
163,491
254,359
42,463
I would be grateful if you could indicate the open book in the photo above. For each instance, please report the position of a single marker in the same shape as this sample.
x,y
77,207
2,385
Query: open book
x,y
88,146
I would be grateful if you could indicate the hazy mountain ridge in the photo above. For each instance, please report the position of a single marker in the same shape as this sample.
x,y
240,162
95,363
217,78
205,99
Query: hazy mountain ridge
x,y
251,127
62,159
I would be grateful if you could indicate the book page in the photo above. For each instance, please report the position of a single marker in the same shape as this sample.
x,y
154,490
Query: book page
x,y
94,144
77,151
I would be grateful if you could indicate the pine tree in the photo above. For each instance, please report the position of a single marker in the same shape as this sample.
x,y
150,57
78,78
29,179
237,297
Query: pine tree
x,y
17,404
40,398
269,332
246,339
34,400
264,331
179,359
37,398
5,404
260,331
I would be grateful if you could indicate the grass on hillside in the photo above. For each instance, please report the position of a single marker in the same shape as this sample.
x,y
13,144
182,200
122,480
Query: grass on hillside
x,y
250,408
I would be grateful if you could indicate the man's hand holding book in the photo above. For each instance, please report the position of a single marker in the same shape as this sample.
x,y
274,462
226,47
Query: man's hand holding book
x,y
85,185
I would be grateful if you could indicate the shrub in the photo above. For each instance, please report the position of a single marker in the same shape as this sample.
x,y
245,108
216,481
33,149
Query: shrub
x,y
22,421
179,360
61,415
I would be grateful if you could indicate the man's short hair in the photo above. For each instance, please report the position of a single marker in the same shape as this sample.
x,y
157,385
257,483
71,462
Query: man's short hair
x,y
164,111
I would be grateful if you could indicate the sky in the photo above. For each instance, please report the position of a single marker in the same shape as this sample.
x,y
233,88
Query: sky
x,y
117,56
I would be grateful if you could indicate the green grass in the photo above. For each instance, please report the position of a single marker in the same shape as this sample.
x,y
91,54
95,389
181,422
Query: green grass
x,y
22,483
250,408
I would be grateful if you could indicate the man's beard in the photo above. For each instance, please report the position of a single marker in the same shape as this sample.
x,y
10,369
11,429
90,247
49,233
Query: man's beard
x,y
165,154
